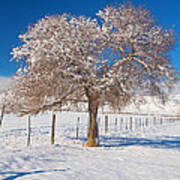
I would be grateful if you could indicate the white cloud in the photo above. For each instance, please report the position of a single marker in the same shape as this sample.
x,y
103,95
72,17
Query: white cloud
x,y
5,83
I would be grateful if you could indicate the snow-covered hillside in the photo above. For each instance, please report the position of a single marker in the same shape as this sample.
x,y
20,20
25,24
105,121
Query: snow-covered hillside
x,y
143,105
148,105
176,90
5,83
152,105
150,153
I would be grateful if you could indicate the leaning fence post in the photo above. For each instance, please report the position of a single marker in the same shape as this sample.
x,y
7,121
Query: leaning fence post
x,y
106,124
29,130
2,114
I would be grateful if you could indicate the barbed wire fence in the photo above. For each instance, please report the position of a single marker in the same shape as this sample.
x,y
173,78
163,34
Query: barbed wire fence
x,y
74,126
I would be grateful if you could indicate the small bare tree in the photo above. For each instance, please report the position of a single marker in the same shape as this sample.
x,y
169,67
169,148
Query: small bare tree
x,y
74,59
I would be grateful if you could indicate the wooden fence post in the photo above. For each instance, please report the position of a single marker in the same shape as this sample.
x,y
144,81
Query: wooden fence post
x,y
77,128
126,124
115,125
135,123
115,122
161,121
106,124
146,122
121,124
29,130
53,128
99,126
154,122
140,122
131,124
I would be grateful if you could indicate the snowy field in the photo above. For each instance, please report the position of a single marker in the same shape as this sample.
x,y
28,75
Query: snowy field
x,y
133,148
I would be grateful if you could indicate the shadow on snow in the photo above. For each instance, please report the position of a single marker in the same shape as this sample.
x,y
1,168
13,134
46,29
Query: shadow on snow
x,y
166,142
15,175
160,142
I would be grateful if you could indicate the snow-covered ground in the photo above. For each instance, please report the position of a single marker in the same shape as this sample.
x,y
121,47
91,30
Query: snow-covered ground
x,y
141,151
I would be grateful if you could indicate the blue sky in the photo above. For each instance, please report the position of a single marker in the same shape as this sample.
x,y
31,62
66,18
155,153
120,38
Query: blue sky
x,y
16,15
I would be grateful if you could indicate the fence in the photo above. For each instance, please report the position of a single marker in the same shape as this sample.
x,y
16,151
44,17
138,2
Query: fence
x,y
71,125
117,124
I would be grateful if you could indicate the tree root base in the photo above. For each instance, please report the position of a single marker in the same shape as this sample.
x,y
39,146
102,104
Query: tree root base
x,y
91,143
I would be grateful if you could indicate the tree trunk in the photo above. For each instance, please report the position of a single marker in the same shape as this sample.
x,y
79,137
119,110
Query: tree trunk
x,y
93,133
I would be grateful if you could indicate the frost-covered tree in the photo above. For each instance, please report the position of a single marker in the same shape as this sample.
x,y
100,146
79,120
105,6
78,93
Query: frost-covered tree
x,y
74,59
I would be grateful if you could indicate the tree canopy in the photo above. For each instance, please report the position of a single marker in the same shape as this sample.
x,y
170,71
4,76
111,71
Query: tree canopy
x,y
76,59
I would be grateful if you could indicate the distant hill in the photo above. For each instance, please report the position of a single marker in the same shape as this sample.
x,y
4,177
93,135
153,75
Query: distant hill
x,y
176,90
5,83
151,105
